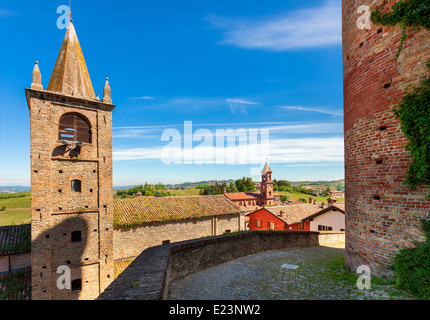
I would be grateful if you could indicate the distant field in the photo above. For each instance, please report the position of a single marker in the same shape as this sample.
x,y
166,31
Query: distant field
x,y
190,192
297,196
18,204
17,208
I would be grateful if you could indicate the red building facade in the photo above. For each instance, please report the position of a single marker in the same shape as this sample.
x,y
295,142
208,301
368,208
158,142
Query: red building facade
x,y
283,218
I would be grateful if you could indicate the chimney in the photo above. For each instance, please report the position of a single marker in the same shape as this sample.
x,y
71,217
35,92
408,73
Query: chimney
x,y
323,205
281,213
311,199
138,195
331,201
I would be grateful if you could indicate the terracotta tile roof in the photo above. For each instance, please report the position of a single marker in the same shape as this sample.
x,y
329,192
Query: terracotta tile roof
x,y
266,169
120,265
254,194
240,196
294,213
70,75
15,239
16,285
130,212
296,202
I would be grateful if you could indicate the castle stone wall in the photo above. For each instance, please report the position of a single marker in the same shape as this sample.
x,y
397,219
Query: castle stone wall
x,y
149,275
382,214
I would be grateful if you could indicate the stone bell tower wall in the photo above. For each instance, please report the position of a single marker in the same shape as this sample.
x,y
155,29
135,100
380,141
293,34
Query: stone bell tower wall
x,y
57,210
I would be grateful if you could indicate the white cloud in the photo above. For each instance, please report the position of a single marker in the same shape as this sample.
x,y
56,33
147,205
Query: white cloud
x,y
291,151
6,13
275,129
306,28
143,98
338,113
185,102
240,105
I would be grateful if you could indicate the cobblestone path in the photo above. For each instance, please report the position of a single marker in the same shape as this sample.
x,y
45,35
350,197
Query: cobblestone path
x,y
320,276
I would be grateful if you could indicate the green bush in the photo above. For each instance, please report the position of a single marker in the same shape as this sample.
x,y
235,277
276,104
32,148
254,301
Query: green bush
x,y
412,266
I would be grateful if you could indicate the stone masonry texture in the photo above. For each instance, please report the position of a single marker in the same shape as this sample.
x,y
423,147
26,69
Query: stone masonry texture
x,y
57,211
149,275
382,214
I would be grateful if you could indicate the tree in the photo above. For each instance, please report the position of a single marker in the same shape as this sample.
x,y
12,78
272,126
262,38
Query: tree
x,y
281,183
245,185
232,187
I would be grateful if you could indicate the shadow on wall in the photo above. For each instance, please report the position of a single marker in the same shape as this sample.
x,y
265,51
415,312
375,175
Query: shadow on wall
x,y
63,258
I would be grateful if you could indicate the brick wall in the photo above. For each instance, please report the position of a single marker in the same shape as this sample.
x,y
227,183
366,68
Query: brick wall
x,y
57,211
130,242
15,261
149,275
381,213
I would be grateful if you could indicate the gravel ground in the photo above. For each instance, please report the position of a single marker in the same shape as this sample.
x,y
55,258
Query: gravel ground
x,y
259,277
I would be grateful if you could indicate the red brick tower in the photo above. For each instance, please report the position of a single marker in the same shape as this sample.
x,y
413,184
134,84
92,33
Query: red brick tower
x,y
382,214
266,186
71,181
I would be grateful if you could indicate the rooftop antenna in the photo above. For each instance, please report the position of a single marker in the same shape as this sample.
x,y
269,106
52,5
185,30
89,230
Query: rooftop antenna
x,y
70,12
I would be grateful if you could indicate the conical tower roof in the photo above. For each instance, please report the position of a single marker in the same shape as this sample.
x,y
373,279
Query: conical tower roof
x,y
266,169
70,75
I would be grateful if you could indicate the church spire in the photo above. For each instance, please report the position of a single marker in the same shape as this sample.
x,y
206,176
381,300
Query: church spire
x,y
266,168
70,75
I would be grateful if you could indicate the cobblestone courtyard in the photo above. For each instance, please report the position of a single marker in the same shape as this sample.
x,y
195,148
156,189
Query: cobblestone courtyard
x,y
320,276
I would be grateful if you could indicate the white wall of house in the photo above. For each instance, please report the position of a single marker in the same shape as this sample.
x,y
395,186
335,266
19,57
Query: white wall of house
x,y
332,218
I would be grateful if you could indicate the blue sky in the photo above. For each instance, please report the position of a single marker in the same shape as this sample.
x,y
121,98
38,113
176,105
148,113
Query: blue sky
x,y
250,66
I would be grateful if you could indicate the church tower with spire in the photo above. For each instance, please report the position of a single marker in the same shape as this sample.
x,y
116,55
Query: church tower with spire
x,y
71,180
266,186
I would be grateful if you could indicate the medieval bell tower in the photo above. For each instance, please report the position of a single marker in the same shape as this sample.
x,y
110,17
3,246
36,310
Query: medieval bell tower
x,y
266,186
71,180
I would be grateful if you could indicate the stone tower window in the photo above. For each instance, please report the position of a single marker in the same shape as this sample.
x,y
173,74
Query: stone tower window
x,y
75,128
77,285
76,236
76,186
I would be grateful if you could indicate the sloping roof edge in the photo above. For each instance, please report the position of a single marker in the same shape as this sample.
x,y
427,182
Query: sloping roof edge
x,y
323,211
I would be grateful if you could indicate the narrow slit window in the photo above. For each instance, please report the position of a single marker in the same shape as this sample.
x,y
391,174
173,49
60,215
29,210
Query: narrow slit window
x,y
76,186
